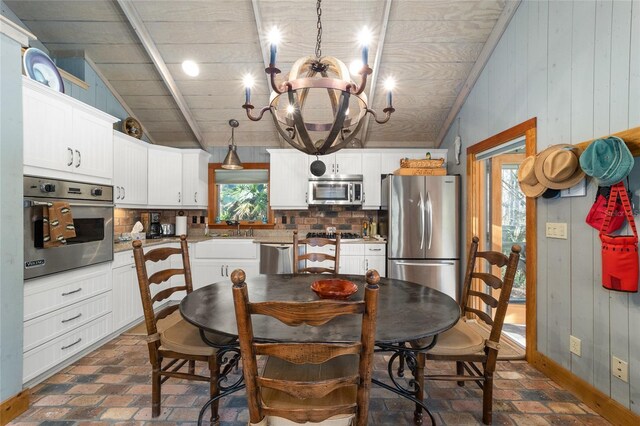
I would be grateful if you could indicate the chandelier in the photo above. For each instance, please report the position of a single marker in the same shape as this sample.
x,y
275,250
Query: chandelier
x,y
313,123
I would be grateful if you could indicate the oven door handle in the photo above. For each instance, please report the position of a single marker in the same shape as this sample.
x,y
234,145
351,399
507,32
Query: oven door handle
x,y
32,203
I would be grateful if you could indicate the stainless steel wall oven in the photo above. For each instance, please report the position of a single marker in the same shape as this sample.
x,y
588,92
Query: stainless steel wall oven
x,y
92,210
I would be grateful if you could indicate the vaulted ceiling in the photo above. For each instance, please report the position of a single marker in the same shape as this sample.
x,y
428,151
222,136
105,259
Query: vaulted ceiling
x,y
428,46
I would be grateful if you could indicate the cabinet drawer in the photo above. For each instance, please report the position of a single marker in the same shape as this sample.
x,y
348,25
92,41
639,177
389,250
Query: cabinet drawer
x,y
123,258
374,249
227,249
44,295
46,327
44,357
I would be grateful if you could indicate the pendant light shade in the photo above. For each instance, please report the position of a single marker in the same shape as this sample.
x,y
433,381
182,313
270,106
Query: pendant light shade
x,y
232,161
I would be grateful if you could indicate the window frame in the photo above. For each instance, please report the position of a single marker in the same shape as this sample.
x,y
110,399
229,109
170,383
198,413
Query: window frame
x,y
212,210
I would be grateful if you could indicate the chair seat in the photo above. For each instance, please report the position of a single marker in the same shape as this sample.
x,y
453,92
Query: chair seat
x,y
337,367
168,321
184,338
462,339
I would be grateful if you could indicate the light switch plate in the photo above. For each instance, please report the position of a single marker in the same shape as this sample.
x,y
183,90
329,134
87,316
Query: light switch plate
x,y
620,369
556,230
575,345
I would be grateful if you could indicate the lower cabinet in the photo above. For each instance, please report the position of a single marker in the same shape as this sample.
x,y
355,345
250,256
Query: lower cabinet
x,y
214,260
127,306
64,314
355,259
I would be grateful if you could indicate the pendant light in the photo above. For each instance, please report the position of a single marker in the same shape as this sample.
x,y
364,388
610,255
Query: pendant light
x,y
232,161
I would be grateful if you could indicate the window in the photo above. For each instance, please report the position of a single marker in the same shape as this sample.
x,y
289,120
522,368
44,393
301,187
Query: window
x,y
241,195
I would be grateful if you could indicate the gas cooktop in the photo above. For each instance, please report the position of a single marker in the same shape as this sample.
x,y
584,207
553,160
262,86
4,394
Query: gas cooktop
x,y
343,235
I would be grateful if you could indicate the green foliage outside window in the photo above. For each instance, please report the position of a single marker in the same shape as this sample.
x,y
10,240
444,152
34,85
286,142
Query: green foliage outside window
x,y
243,202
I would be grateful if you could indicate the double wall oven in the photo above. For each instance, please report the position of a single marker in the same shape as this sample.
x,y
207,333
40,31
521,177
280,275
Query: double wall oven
x,y
92,210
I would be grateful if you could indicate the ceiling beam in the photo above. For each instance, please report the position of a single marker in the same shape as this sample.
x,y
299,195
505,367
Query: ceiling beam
x,y
149,45
499,28
376,69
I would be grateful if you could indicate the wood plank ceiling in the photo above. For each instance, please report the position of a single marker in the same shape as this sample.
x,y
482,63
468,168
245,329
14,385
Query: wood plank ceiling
x,y
428,46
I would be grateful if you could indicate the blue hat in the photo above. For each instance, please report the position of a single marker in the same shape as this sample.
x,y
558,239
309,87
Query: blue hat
x,y
608,160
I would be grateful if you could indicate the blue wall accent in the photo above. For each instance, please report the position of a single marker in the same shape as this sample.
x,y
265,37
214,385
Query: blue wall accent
x,y
11,253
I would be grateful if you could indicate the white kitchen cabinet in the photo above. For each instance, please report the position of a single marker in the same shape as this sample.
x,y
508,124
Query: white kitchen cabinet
x,y
214,260
288,179
127,304
344,162
64,314
371,180
375,258
355,258
195,164
165,177
65,138
129,171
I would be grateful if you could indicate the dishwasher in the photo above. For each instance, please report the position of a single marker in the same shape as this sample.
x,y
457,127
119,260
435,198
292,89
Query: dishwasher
x,y
276,258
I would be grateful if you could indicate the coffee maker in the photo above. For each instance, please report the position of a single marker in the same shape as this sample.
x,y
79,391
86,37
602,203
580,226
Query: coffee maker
x,y
154,230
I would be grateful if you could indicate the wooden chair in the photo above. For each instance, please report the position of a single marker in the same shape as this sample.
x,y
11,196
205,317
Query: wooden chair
x,y
307,382
463,344
316,257
168,335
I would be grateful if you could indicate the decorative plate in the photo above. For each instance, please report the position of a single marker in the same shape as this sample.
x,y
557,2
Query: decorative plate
x,y
40,68
132,127
334,288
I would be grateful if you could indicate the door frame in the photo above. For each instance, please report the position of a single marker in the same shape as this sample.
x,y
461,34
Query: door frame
x,y
527,130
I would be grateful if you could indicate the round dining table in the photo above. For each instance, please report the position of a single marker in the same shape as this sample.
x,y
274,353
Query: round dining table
x,y
406,312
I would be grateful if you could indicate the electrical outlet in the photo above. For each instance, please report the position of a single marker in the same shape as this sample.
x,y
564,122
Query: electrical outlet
x,y
620,369
575,345
556,230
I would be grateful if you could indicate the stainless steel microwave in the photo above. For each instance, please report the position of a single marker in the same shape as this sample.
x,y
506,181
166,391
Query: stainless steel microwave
x,y
335,190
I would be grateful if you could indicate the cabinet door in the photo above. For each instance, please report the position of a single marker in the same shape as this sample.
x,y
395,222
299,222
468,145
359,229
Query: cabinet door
x,y
288,179
376,262
165,177
348,163
195,179
129,170
371,179
92,145
351,265
127,304
46,125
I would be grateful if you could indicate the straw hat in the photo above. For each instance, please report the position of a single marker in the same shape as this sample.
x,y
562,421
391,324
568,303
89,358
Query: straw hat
x,y
527,179
558,167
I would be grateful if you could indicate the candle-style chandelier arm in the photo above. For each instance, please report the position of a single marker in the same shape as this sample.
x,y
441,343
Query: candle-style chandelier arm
x,y
364,73
273,71
248,107
387,114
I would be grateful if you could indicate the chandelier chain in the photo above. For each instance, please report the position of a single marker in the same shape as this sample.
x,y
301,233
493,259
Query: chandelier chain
x,y
319,37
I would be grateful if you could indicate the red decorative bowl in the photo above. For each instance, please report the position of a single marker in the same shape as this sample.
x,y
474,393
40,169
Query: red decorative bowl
x,y
334,288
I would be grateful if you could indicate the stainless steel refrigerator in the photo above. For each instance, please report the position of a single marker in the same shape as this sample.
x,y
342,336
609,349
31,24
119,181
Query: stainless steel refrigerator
x,y
423,219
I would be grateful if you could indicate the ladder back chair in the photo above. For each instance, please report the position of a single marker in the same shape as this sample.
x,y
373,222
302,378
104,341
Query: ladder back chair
x,y
307,382
332,246
168,334
473,354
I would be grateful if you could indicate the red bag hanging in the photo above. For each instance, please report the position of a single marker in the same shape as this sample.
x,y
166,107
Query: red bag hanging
x,y
619,252
598,212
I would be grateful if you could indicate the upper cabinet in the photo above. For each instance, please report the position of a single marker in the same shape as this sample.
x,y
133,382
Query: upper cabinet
x,y
129,171
345,162
288,179
165,177
371,180
195,163
65,138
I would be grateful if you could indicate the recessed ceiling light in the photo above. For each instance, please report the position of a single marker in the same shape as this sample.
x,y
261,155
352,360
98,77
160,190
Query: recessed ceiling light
x,y
190,68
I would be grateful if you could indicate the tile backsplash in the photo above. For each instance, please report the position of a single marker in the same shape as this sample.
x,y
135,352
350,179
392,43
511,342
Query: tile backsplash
x,y
316,218
124,219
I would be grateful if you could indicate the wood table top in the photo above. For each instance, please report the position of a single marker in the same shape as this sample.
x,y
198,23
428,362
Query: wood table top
x,y
406,311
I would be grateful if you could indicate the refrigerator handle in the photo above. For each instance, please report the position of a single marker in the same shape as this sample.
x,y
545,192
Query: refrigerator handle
x,y
421,207
429,220
424,264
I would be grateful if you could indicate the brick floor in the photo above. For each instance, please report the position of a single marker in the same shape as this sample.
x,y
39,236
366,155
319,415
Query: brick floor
x,y
112,386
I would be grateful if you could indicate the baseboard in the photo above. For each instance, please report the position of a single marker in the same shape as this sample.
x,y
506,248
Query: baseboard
x,y
602,404
13,407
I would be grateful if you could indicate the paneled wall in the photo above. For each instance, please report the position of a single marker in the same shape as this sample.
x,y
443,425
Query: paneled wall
x,y
575,65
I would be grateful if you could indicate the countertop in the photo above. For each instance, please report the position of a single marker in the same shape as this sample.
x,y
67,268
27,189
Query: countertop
x,y
127,245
